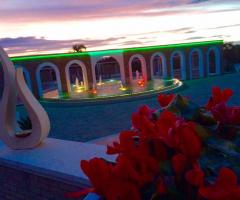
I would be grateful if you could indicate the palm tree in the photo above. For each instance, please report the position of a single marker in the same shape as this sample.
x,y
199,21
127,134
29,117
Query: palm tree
x,y
79,48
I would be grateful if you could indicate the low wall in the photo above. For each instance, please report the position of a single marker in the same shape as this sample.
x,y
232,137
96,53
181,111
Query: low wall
x,y
47,172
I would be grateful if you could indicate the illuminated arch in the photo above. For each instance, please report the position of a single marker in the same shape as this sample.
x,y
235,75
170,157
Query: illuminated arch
x,y
181,72
200,62
217,59
38,76
143,66
84,72
118,57
164,64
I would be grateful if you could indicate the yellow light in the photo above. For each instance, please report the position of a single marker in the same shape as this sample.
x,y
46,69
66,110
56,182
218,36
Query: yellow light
x,y
123,88
79,91
99,84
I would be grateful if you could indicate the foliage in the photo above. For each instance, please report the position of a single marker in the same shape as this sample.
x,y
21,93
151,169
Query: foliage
x,y
231,55
180,151
25,123
79,48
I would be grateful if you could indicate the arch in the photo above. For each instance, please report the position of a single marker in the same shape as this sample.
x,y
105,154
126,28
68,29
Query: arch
x,y
118,57
200,67
181,64
108,68
84,72
163,62
38,76
216,59
26,76
143,66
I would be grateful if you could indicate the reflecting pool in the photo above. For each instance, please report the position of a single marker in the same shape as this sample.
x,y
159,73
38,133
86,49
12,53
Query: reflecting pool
x,y
115,88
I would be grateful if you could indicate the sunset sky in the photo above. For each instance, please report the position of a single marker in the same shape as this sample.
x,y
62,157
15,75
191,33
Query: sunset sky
x,y
52,26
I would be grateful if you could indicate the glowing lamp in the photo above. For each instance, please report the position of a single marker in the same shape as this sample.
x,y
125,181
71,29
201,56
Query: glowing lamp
x,y
122,88
94,91
141,83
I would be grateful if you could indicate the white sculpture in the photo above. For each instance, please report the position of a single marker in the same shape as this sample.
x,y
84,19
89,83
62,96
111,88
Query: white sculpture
x,y
14,83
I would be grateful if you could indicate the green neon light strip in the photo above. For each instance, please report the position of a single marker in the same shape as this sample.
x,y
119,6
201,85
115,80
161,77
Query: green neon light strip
x,y
117,51
174,46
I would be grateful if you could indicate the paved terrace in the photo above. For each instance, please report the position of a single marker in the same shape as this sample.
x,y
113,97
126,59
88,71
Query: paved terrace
x,y
84,123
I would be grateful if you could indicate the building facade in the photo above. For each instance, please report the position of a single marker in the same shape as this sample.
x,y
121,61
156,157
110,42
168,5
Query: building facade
x,y
182,61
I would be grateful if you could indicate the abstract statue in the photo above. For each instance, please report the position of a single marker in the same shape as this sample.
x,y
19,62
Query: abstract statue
x,y
14,83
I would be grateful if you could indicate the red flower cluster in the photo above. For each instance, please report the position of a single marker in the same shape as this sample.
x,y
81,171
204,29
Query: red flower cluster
x,y
226,116
140,154
162,140
113,181
218,97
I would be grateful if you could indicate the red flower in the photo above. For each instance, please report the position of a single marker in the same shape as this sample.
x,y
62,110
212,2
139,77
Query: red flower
x,y
138,150
234,115
180,135
158,149
179,163
143,124
165,99
113,182
98,172
126,143
195,176
226,115
225,188
146,111
188,141
161,186
219,96
166,123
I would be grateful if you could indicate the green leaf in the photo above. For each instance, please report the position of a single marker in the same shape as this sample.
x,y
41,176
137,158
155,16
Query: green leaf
x,y
202,132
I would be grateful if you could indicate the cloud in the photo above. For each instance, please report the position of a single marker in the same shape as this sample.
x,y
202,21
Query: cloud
x,y
56,10
181,30
40,45
213,37
198,1
196,38
223,27
111,19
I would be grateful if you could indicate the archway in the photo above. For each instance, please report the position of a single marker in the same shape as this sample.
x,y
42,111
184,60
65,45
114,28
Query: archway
x,y
178,67
158,66
137,68
213,61
196,64
76,73
48,79
26,75
107,69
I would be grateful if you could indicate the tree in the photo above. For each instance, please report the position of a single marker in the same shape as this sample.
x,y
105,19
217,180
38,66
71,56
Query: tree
x,y
79,48
230,55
